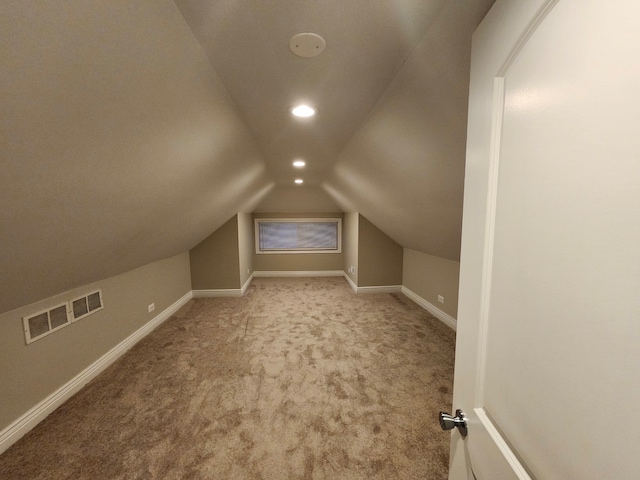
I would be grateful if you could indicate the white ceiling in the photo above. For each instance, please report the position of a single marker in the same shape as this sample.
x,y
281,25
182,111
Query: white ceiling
x,y
248,45
391,86
132,130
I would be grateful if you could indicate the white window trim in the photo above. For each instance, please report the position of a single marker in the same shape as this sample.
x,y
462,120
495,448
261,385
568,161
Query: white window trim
x,y
256,229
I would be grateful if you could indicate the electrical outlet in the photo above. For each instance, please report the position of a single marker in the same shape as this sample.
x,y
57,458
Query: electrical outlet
x,y
152,307
440,298
352,269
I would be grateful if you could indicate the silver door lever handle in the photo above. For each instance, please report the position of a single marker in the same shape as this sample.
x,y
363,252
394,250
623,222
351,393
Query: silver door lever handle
x,y
447,422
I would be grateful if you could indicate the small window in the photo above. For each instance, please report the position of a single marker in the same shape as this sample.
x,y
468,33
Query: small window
x,y
298,235
43,323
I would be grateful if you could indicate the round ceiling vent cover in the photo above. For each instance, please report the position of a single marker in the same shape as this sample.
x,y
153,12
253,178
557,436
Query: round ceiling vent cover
x,y
307,45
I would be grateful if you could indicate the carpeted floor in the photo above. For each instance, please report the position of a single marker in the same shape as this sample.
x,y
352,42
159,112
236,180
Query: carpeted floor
x,y
298,379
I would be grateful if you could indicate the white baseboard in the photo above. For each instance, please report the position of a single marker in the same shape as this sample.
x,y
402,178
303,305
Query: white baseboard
x,y
374,289
221,292
39,412
351,282
245,287
224,292
296,273
380,289
435,311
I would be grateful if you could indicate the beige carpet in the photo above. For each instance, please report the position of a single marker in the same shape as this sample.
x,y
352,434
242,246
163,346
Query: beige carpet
x,y
299,379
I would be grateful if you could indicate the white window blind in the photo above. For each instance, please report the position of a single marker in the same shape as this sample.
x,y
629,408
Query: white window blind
x,y
298,235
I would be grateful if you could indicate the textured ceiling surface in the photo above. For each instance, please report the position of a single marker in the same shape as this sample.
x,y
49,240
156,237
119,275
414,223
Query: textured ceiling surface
x,y
132,130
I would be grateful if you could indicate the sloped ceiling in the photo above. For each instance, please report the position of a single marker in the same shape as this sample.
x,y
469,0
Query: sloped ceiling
x,y
391,87
132,130
404,167
120,144
248,43
297,200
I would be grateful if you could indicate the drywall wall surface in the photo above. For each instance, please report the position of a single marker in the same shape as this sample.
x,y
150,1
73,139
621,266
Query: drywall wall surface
x,y
300,262
31,372
404,168
297,199
350,245
379,256
120,143
215,261
245,246
428,276
305,262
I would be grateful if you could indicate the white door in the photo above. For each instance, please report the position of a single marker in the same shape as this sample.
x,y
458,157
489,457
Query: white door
x,y
548,347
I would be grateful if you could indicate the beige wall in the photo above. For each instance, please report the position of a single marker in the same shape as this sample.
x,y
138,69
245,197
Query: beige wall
x,y
245,246
215,260
379,256
304,262
31,372
350,244
429,276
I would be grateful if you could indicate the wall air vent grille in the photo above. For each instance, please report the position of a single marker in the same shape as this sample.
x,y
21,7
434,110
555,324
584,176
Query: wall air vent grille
x,y
80,308
94,301
86,305
45,322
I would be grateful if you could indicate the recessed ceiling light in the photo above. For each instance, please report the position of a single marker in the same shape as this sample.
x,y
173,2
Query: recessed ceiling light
x,y
299,163
303,111
298,181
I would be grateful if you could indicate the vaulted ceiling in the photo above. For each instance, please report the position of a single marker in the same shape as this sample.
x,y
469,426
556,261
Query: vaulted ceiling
x,y
248,44
132,130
